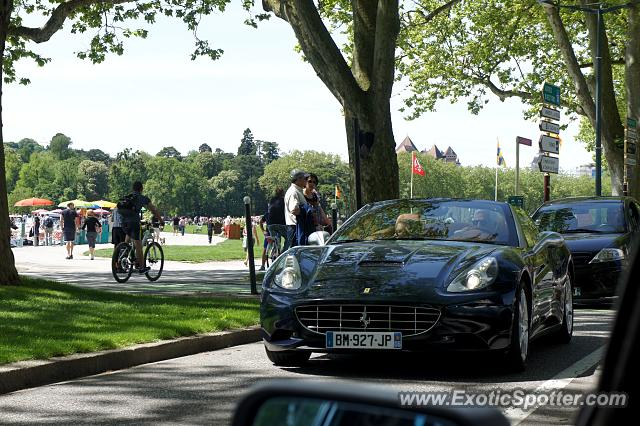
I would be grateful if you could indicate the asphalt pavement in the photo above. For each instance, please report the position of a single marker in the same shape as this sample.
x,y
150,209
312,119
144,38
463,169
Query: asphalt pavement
x,y
203,388
178,278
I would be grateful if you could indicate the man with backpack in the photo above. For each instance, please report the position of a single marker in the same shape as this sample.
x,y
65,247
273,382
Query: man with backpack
x,y
48,231
129,208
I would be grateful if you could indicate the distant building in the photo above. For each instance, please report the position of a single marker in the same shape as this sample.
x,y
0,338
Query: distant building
x,y
585,170
406,146
448,155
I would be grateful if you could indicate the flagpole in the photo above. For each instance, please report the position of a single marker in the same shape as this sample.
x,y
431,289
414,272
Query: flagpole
x,y
497,165
412,160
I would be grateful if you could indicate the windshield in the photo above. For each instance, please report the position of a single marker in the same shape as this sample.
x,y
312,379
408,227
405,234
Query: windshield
x,y
594,217
480,221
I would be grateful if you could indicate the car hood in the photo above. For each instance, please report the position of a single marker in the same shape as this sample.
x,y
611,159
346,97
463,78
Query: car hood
x,y
593,242
381,269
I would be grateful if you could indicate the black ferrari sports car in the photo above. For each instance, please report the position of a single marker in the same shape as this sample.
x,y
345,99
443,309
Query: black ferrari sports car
x,y
421,275
598,232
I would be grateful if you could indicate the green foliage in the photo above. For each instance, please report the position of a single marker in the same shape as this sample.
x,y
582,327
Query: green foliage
x,y
12,166
247,144
25,147
93,180
330,168
447,180
169,152
59,146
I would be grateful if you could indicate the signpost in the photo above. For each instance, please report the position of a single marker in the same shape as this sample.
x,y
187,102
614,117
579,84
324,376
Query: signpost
x,y
517,201
548,126
549,164
630,152
551,94
524,141
549,144
551,113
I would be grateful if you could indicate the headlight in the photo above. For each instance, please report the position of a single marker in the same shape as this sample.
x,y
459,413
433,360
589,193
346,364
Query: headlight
x,y
608,255
290,277
480,275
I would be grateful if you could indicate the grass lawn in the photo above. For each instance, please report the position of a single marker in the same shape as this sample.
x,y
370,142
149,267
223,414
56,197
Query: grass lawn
x,y
224,251
41,319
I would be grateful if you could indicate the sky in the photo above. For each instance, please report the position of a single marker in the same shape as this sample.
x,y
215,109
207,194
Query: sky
x,y
154,96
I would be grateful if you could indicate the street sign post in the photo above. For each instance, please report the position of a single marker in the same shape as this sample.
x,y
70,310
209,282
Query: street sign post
x,y
549,144
548,126
516,200
548,164
524,141
551,113
551,94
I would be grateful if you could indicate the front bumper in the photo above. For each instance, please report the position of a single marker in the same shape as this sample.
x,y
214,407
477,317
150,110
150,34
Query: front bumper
x,y
477,325
596,280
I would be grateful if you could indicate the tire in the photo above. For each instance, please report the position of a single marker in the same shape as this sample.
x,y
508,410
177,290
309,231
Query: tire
x,y
518,351
154,258
566,331
287,358
121,262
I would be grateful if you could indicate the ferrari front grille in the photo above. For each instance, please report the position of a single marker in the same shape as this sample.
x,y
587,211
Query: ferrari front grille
x,y
410,320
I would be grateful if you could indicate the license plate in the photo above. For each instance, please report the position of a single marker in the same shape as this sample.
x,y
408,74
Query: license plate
x,y
364,340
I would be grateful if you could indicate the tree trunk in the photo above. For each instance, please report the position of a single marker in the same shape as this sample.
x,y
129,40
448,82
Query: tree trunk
x,y
8,273
364,88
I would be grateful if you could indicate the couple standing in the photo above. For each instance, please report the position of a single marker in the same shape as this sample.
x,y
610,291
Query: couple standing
x,y
303,212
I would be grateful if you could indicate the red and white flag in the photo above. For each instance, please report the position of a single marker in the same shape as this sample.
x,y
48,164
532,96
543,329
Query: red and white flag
x,y
416,168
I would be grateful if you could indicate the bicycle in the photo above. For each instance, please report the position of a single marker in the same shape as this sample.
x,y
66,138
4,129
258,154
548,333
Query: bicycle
x,y
123,260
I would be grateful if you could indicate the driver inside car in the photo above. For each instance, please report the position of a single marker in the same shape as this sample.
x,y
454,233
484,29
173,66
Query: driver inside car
x,y
484,226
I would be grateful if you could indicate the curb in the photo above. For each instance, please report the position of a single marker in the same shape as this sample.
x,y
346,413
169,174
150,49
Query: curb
x,y
28,374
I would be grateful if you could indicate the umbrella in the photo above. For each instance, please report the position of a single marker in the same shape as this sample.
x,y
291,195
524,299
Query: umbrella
x,y
33,202
80,204
101,211
40,211
104,204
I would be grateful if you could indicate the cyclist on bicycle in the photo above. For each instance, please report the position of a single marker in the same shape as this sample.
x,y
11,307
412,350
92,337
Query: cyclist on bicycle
x,y
131,220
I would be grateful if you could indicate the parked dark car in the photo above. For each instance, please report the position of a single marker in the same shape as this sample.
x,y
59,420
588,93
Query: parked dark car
x,y
420,275
598,233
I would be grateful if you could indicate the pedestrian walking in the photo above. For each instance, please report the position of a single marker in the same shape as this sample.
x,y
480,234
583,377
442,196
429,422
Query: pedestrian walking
x,y
93,227
48,231
36,230
182,225
176,225
293,201
276,224
69,218
210,229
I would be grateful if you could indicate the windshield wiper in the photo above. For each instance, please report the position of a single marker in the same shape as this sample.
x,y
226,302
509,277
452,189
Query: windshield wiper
x,y
346,241
580,230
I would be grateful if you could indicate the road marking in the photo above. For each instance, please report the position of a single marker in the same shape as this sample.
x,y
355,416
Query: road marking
x,y
561,380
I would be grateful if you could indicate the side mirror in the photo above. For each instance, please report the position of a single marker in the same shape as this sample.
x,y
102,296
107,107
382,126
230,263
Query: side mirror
x,y
550,236
318,238
304,402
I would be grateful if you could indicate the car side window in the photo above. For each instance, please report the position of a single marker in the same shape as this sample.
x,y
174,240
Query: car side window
x,y
529,229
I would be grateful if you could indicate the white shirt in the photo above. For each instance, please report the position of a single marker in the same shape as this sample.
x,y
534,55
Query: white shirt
x,y
293,198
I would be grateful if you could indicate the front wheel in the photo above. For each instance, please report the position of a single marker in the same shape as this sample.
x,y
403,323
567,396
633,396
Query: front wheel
x,y
519,348
288,358
122,262
154,259
566,331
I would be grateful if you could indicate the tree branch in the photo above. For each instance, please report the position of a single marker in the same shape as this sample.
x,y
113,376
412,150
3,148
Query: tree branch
x,y
384,64
320,50
429,17
56,20
566,48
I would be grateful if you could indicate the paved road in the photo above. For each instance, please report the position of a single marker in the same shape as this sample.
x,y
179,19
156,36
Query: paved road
x,y
202,389
178,278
